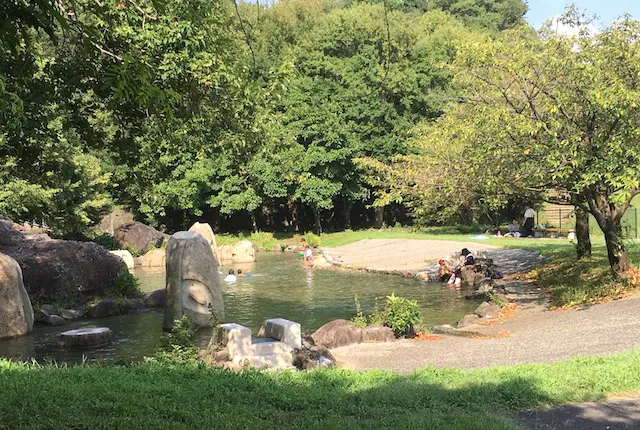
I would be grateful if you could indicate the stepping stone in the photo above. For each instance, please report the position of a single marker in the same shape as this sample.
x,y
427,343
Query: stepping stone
x,y
266,345
283,330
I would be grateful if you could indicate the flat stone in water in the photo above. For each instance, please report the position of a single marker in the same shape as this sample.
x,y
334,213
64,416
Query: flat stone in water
x,y
85,336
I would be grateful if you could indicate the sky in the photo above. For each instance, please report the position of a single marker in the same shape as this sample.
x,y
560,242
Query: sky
x,y
606,10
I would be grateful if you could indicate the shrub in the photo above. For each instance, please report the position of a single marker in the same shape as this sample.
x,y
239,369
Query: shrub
x,y
399,314
263,240
402,315
126,285
312,239
177,346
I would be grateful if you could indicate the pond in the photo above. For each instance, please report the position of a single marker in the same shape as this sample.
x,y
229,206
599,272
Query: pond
x,y
277,285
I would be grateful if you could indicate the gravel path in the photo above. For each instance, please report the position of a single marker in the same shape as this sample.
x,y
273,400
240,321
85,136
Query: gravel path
x,y
533,335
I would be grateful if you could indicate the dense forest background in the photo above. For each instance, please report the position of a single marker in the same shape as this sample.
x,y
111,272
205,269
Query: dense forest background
x,y
247,115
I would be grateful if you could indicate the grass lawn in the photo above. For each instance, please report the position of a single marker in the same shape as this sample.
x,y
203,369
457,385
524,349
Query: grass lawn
x,y
162,396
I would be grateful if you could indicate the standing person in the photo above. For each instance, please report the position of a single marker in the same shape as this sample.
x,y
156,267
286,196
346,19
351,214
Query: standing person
x,y
303,247
527,227
308,256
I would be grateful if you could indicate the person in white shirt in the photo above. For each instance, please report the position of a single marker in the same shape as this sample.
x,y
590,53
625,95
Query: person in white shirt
x,y
527,227
231,277
308,256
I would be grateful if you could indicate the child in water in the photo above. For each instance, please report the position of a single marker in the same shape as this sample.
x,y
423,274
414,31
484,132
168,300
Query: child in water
x,y
308,256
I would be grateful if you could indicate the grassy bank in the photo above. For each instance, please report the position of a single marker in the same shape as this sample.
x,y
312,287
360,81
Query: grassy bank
x,y
155,396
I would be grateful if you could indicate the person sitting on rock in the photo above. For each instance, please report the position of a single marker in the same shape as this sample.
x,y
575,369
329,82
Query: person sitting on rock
x,y
443,271
231,277
467,257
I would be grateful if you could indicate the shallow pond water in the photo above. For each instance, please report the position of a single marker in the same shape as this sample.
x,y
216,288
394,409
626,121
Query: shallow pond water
x,y
277,285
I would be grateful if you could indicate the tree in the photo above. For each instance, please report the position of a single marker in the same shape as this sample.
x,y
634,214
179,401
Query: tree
x,y
496,15
555,113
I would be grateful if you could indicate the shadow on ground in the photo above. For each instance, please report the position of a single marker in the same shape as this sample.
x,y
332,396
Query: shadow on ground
x,y
619,414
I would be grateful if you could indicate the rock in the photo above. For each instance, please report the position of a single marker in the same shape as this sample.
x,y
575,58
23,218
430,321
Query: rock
x,y
71,314
244,252
139,236
16,313
104,308
236,339
226,254
85,337
126,257
138,261
49,310
444,329
193,284
283,330
312,357
155,258
114,220
468,320
60,270
55,320
377,333
207,232
487,309
337,333
133,304
155,299
471,277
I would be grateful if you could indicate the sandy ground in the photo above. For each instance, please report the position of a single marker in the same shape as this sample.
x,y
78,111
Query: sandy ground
x,y
419,255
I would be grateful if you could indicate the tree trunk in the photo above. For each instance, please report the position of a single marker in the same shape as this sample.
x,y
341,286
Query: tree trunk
x,y
346,214
254,224
379,217
316,216
617,253
583,249
293,211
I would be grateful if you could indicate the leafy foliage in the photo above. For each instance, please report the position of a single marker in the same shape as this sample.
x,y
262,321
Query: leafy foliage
x,y
401,315
177,347
126,285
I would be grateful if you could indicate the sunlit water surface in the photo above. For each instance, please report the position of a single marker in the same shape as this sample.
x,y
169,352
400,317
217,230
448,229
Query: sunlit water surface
x,y
277,285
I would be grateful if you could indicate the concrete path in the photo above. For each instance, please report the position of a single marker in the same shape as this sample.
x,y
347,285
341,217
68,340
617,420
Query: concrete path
x,y
533,335
615,414
420,255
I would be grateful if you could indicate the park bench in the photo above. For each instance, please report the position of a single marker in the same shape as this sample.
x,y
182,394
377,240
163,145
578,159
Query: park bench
x,y
551,232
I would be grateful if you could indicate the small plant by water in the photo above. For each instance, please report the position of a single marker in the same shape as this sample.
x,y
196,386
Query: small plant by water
x,y
177,346
126,285
399,314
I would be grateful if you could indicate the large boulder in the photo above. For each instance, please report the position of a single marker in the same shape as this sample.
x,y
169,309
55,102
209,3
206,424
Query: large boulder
x,y
337,333
155,258
139,236
377,333
241,252
193,285
155,299
114,220
16,313
207,232
104,308
244,252
60,270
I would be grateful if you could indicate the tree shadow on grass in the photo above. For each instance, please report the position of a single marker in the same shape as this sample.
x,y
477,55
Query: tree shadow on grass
x,y
154,396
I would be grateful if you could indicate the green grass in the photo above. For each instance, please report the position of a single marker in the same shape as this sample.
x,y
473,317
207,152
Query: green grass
x,y
160,396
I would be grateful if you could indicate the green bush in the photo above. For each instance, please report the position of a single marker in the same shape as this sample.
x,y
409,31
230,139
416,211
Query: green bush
x,y
105,240
401,315
263,240
312,239
126,285
177,346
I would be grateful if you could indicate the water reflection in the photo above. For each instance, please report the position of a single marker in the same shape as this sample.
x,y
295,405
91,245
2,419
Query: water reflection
x,y
277,285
